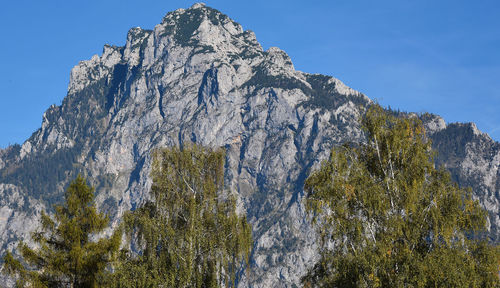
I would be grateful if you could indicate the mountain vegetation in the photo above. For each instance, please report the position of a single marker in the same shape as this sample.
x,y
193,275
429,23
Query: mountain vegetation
x,y
200,77
189,234
66,254
388,218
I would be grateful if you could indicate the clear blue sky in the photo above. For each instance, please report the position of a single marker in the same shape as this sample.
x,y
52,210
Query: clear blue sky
x,y
436,56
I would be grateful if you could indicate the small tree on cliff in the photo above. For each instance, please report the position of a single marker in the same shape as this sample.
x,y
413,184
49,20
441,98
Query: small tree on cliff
x,y
392,218
189,235
66,256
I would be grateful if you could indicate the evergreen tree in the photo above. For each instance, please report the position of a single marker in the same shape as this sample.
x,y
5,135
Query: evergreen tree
x,y
189,234
388,218
65,255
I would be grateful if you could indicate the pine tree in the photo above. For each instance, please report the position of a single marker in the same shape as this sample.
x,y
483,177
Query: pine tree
x,y
388,218
189,234
66,255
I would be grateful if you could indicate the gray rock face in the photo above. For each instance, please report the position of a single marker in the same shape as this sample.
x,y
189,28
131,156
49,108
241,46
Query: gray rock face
x,y
473,159
199,77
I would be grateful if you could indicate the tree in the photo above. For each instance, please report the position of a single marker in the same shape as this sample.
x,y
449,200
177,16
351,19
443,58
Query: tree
x,y
189,234
65,255
388,218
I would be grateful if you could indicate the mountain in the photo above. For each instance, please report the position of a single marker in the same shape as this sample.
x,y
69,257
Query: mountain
x,y
473,159
199,77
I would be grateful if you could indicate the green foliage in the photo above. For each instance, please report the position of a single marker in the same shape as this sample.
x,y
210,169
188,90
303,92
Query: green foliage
x,y
65,255
388,218
189,235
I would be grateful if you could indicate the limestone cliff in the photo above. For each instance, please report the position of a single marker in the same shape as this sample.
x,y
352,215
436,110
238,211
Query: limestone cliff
x,y
198,76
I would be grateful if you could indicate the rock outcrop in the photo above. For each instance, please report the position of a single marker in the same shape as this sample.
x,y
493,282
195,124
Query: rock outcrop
x,y
199,77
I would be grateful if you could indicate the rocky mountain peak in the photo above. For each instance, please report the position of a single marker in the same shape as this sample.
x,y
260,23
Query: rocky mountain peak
x,y
198,5
199,77
433,123
278,62
202,25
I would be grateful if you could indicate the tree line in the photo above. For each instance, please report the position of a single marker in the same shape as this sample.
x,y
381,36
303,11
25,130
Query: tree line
x,y
385,216
188,235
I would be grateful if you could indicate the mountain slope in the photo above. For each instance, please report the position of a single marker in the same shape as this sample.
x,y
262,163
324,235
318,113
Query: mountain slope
x,y
199,77
473,159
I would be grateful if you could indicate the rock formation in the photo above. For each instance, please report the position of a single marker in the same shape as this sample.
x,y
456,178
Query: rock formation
x,y
199,77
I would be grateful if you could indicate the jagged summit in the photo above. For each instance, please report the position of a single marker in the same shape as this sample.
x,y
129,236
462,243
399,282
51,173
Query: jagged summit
x,y
199,77
202,25
198,5
196,77
195,13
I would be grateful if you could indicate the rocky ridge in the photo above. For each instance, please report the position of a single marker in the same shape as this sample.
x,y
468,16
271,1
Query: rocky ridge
x,y
199,77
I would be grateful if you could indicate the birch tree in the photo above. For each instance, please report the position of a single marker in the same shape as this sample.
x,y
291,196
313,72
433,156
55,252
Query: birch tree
x,y
388,218
189,234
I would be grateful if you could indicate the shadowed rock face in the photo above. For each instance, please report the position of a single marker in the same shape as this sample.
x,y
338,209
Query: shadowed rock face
x,y
199,77
473,159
